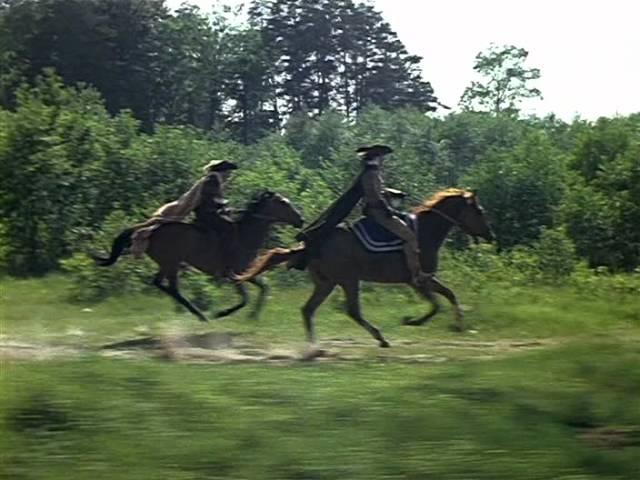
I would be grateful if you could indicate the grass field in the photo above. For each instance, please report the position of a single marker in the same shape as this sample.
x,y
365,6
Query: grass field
x,y
545,385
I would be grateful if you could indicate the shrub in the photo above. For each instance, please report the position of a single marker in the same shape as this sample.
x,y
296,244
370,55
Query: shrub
x,y
555,254
91,282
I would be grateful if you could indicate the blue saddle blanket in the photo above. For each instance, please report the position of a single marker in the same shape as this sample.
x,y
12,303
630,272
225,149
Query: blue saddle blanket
x,y
375,238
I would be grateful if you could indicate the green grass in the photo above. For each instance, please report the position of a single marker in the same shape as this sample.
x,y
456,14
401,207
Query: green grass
x,y
532,416
39,310
567,410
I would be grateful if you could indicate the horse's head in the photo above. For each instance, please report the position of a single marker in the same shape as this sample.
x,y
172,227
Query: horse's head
x,y
273,206
461,208
472,219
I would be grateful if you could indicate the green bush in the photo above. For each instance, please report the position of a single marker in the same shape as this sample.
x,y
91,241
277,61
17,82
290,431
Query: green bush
x,y
91,282
555,254
601,282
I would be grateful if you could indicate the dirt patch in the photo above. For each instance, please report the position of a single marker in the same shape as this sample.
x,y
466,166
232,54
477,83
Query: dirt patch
x,y
12,350
231,347
612,437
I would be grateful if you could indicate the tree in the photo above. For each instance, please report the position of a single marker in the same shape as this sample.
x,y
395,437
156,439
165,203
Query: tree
x,y
191,63
338,55
506,81
521,188
253,109
111,45
602,211
66,165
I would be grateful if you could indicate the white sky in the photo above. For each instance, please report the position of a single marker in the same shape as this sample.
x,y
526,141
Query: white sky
x,y
588,51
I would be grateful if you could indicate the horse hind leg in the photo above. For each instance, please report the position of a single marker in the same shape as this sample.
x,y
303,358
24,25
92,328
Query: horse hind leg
x,y
262,297
320,293
352,292
172,290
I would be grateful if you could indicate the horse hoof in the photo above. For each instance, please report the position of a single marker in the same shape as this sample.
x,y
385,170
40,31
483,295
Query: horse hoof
x,y
314,353
384,344
456,328
411,323
203,319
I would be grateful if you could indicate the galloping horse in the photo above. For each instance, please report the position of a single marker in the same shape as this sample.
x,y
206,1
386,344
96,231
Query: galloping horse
x,y
343,261
174,244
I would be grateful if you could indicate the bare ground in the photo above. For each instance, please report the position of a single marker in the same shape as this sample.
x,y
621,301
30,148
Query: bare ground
x,y
231,347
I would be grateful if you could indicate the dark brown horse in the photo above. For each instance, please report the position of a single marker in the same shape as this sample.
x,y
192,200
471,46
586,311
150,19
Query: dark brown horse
x,y
174,244
343,261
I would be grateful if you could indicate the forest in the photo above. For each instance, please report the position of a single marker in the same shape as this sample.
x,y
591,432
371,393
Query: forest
x,y
118,114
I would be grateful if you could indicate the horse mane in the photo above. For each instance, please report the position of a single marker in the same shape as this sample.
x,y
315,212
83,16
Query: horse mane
x,y
439,197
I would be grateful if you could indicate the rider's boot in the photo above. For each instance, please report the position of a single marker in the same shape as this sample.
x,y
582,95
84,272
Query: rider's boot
x,y
412,255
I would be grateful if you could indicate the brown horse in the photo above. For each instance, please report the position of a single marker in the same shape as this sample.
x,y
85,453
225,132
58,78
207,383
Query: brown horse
x,y
174,244
343,261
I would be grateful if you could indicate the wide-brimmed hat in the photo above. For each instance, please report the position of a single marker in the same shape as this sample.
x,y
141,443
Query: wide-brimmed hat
x,y
220,166
374,151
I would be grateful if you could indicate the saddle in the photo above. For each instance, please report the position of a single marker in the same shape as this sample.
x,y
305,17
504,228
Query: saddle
x,y
377,239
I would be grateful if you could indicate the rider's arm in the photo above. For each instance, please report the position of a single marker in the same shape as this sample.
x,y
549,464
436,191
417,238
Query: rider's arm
x,y
372,189
212,187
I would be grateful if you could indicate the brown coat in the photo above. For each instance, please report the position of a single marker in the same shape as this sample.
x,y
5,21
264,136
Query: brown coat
x,y
372,189
204,197
210,211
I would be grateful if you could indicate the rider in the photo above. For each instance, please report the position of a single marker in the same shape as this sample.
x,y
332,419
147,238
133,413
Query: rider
x,y
212,211
367,186
376,207
395,198
205,198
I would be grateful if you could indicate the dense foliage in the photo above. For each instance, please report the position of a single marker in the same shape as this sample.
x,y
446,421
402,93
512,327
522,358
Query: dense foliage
x,y
186,67
288,95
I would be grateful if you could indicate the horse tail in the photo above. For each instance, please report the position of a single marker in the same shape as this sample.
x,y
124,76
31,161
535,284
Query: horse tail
x,y
122,241
268,261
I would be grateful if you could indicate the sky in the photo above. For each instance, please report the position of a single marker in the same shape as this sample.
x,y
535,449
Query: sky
x,y
588,51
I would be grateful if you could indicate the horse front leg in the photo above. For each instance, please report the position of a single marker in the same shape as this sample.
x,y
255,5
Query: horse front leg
x,y
425,292
262,297
439,287
244,299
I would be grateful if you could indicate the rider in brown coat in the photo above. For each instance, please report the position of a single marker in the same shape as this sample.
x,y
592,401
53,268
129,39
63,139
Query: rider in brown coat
x,y
205,198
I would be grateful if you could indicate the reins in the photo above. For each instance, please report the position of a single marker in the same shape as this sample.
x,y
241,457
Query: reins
x,y
447,217
454,222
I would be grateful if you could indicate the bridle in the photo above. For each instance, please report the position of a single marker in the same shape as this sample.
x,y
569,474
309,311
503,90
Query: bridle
x,y
447,217
453,221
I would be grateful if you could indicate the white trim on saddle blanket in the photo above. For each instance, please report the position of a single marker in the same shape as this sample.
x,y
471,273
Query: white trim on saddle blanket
x,y
370,235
